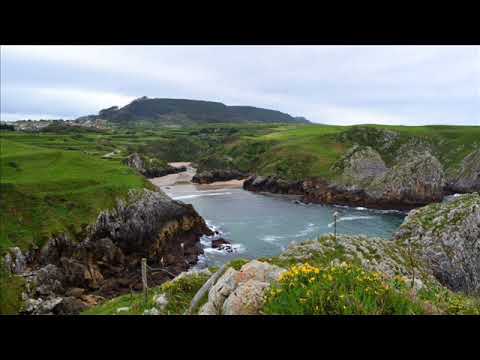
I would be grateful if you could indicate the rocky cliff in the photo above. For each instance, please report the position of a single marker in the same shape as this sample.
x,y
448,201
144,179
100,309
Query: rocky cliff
x,y
468,177
150,167
67,276
209,176
363,179
446,238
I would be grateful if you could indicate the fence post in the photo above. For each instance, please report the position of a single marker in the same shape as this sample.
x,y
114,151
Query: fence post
x,y
335,214
144,279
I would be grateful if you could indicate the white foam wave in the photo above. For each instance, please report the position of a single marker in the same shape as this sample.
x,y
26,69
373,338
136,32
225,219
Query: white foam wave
x,y
200,195
272,238
351,218
236,249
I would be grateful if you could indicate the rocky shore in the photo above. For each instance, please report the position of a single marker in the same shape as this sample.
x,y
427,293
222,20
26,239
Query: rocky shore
x,y
210,176
415,179
65,276
151,168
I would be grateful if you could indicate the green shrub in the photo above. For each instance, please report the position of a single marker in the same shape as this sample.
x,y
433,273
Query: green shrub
x,y
344,289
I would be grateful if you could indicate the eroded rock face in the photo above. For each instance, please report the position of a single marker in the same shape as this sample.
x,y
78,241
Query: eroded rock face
x,y
150,167
468,178
241,292
447,238
360,166
147,224
274,185
210,176
415,180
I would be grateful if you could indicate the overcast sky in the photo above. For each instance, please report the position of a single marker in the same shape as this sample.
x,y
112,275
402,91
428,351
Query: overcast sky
x,y
409,85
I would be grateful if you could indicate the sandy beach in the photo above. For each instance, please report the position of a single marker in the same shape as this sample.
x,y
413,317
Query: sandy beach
x,y
185,177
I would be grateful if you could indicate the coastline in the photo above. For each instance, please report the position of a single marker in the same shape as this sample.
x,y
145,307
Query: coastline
x,y
185,177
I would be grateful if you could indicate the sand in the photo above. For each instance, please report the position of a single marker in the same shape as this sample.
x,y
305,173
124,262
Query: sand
x,y
185,177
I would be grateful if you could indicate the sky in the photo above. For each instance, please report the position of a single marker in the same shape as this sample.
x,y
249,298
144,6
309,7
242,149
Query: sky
x,y
343,85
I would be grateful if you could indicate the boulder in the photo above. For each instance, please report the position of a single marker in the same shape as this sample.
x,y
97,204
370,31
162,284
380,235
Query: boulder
x,y
210,176
255,275
246,299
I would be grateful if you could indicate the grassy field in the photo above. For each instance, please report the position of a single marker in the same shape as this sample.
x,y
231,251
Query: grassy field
x,y
59,180
46,189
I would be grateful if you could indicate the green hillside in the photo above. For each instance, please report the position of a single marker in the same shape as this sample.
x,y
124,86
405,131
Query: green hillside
x,y
188,112
46,190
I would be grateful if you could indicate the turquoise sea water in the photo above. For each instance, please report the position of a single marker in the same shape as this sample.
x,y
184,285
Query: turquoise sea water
x,y
263,225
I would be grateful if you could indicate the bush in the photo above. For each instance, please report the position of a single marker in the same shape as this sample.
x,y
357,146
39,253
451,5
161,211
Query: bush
x,y
344,289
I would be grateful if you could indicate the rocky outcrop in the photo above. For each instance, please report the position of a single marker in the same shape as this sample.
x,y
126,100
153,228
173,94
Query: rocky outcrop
x,y
150,167
414,181
359,166
210,176
363,179
147,224
446,237
468,177
241,292
273,185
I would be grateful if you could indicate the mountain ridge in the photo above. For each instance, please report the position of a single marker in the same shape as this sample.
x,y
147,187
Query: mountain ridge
x,y
171,111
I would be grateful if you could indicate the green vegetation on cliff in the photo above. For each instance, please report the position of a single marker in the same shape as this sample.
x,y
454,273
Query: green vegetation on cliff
x,y
47,190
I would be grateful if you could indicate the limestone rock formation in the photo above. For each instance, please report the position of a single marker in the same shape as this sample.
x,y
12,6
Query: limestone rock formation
x,y
447,238
359,166
209,176
147,224
415,180
468,177
241,292
150,167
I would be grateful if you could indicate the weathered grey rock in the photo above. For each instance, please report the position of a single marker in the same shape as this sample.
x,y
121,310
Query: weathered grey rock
x,y
152,311
258,275
222,289
209,176
261,271
15,261
160,301
246,299
359,166
468,177
446,237
48,280
415,180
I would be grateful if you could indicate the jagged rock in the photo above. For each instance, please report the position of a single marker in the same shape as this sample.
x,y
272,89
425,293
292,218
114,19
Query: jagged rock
x,y
359,166
147,224
151,167
209,176
273,185
160,301
70,305
48,280
468,177
257,274
246,299
56,248
47,306
416,180
15,261
153,224
152,311
75,292
446,237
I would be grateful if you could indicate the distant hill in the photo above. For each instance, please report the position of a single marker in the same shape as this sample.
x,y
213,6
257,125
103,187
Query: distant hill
x,y
188,112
